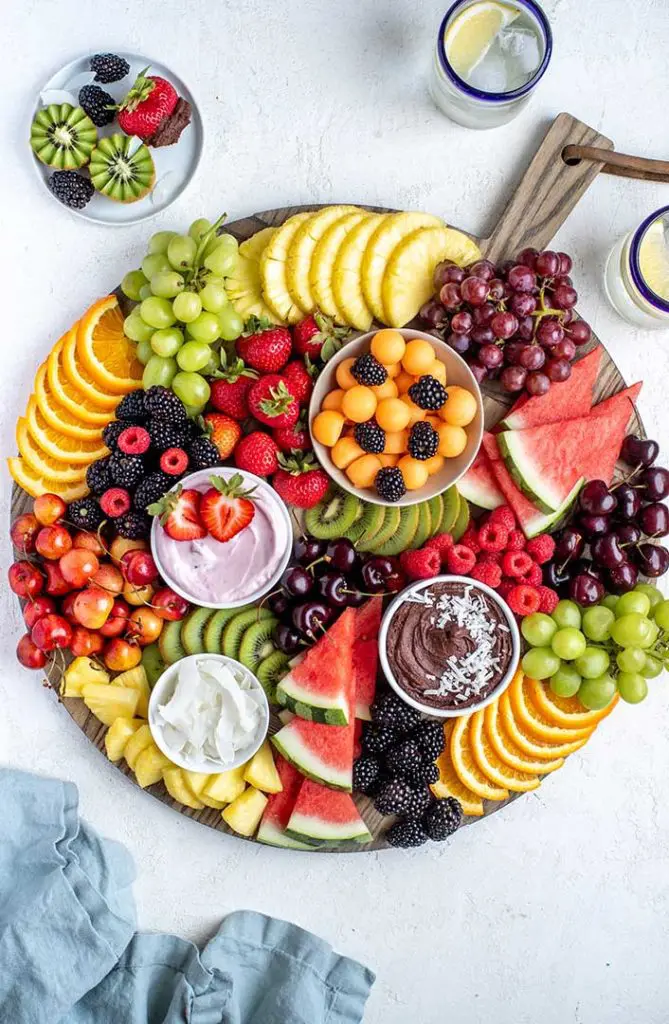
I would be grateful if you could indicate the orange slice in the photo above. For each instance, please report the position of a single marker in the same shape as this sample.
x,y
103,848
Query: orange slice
x,y
74,400
567,712
78,375
103,349
40,462
465,765
506,749
34,484
449,785
498,771
60,446
533,720
528,742
56,415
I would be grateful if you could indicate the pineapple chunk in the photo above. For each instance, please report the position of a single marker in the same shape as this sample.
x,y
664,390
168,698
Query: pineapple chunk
x,y
108,702
261,771
227,786
346,279
136,744
273,271
136,679
301,250
387,236
243,286
150,765
243,814
176,786
196,782
323,262
80,672
118,734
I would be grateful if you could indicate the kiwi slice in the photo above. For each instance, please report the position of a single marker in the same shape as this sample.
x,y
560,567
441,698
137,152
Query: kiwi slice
x,y
451,500
391,522
153,663
120,173
462,521
436,513
213,629
335,513
236,627
401,538
169,643
257,643
271,671
192,630
373,518
424,528
63,136
355,530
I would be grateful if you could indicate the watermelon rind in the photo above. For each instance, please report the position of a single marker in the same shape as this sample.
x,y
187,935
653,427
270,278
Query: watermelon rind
x,y
478,485
269,834
305,703
290,745
317,832
530,478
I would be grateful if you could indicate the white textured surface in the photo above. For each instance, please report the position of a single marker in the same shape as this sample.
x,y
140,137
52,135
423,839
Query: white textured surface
x,y
555,909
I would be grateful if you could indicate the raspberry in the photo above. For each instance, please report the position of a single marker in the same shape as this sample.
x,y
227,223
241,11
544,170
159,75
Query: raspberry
x,y
493,537
134,441
470,539
516,541
490,557
524,600
115,502
505,587
547,600
516,563
503,516
442,543
421,564
174,461
460,560
486,572
534,576
541,548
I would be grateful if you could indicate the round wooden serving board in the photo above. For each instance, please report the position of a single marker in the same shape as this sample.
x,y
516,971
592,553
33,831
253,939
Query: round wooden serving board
x,y
547,192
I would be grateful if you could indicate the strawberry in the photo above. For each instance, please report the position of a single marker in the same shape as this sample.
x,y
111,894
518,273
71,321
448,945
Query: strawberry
x,y
256,453
263,346
225,508
299,482
230,388
311,334
299,376
179,513
223,431
295,438
148,103
271,402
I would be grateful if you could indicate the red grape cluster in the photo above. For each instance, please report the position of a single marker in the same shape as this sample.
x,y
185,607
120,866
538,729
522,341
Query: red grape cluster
x,y
516,321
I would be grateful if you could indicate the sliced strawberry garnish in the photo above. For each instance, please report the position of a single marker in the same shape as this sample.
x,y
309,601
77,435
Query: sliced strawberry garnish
x,y
180,514
225,508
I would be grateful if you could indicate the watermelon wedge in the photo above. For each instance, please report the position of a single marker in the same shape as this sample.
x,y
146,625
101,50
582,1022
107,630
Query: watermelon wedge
x,y
366,655
566,401
280,807
479,486
318,687
547,462
322,816
321,752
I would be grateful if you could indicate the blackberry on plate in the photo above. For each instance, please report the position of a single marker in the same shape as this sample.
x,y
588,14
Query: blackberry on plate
x,y
112,432
367,772
203,453
164,404
423,440
165,434
443,819
97,476
428,392
378,738
405,834
394,797
390,483
389,709
368,370
98,104
370,437
418,775
132,407
151,489
126,470
430,737
134,526
418,803
108,67
404,758
85,514
71,189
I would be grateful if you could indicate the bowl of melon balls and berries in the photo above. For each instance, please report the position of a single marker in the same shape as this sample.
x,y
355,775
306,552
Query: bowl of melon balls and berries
x,y
396,417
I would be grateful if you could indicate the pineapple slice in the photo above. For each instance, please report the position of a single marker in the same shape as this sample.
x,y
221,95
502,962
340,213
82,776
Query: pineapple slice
x,y
273,271
301,251
176,786
346,276
118,734
150,765
252,248
80,672
136,679
136,744
323,261
261,771
108,702
243,814
388,234
243,287
227,786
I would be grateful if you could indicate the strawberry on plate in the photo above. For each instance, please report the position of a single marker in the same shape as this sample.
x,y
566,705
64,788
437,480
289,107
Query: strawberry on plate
x,y
179,512
230,388
272,403
299,481
310,335
225,508
223,431
295,438
264,346
300,378
148,103
257,453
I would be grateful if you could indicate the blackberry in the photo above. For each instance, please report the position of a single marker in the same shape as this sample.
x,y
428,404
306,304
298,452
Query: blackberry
x,y
151,489
98,104
112,431
163,404
71,189
378,738
133,526
389,709
203,453
404,758
430,737
443,819
85,514
367,772
394,798
108,67
97,476
132,407
419,774
370,437
418,803
405,834
390,483
165,434
428,392
125,470
368,370
423,440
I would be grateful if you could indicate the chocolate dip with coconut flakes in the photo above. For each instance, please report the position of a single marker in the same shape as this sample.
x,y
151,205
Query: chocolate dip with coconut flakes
x,y
449,645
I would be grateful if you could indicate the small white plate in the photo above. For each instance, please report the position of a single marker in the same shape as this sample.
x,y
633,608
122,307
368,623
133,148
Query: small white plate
x,y
175,165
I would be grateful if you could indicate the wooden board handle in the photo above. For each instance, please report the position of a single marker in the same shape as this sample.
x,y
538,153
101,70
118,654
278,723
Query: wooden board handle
x,y
548,191
622,164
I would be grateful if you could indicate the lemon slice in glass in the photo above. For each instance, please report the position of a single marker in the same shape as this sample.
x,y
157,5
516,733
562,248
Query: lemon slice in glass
x,y
471,33
654,259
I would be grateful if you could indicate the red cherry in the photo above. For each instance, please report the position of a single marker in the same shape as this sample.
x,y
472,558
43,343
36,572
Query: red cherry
x,y
118,619
38,607
53,541
49,508
85,642
28,654
169,605
25,580
78,565
92,607
67,607
51,632
56,584
120,655
23,532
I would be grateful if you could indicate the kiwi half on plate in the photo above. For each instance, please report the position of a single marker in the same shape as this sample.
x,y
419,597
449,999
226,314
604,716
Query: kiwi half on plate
x,y
122,170
63,136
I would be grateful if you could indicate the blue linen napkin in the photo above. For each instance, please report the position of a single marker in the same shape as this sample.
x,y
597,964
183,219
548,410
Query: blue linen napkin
x,y
69,953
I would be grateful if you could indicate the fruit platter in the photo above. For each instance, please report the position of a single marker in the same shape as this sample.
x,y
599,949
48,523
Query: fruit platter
x,y
336,533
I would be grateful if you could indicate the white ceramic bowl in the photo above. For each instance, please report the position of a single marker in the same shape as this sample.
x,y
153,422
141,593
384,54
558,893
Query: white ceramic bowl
x,y
504,681
457,372
250,480
163,690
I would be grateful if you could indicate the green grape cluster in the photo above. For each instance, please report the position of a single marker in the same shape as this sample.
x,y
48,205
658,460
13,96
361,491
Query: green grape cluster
x,y
183,313
616,645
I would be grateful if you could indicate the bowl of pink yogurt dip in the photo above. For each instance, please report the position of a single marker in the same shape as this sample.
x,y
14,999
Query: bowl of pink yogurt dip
x,y
239,571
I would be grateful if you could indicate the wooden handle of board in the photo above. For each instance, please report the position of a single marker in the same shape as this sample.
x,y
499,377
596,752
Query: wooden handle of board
x,y
548,191
622,164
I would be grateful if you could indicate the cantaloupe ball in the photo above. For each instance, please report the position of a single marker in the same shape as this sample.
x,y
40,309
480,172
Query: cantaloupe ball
x,y
414,472
343,375
388,460
452,440
415,410
386,390
435,464
393,370
459,408
359,403
388,346
438,371
418,357
333,399
327,427
434,420
346,451
362,472
396,443
392,415
404,381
